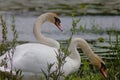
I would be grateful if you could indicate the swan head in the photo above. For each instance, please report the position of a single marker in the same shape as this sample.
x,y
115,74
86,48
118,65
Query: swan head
x,y
53,18
99,63
102,69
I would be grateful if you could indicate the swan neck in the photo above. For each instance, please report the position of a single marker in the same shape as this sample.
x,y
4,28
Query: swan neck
x,y
83,45
94,59
86,48
39,36
73,51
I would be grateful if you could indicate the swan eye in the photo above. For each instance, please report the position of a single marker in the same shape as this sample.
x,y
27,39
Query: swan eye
x,y
57,23
103,65
57,20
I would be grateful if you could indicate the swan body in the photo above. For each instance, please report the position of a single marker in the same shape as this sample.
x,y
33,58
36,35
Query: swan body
x,y
23,52
36,57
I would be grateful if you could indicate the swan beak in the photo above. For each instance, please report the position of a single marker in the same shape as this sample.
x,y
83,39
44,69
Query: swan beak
x,y
58,25
102,70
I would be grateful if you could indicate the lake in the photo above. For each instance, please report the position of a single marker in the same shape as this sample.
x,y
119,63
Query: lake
x,y
97,17
24,26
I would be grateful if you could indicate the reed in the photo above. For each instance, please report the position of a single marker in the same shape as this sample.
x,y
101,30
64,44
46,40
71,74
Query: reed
x,y
6,46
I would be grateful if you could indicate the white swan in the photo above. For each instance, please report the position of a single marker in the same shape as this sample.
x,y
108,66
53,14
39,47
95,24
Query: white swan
x,y
35,57
51,17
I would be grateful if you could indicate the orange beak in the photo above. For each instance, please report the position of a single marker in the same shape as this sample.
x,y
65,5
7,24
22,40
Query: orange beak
x,y
58,25
102,70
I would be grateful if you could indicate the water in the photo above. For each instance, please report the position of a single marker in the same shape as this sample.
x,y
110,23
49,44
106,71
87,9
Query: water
x,y
24,26
26,11
64,7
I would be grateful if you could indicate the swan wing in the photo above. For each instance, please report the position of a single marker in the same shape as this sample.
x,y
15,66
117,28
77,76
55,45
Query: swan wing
x,y
33,57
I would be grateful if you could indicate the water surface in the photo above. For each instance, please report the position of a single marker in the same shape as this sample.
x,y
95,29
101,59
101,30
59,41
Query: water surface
x,y
24,26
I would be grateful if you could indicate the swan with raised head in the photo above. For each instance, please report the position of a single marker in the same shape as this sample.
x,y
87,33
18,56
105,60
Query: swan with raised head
x,y
43,41
51,17
35,58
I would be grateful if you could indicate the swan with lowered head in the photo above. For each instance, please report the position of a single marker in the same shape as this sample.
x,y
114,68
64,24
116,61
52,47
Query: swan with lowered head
x,y
35,58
